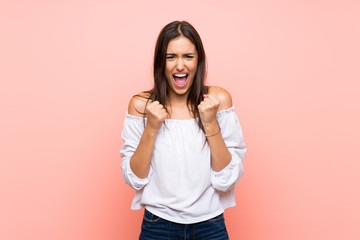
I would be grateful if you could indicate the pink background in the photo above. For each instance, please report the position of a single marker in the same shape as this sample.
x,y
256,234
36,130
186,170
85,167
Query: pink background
x,y
69,68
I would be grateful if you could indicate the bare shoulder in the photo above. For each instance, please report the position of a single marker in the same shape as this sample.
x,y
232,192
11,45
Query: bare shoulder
x,y
137,104
222,96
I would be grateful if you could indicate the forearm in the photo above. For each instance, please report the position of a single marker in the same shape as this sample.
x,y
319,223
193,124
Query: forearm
x,y
220,155
140,160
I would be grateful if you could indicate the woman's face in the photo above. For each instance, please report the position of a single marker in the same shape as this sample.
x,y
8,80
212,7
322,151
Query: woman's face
x,y
181,65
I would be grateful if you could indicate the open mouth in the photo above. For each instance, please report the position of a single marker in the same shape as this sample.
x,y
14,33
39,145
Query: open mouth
x,y
180,79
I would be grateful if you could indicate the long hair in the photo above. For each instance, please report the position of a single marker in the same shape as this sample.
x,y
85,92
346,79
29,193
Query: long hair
x,y
160,90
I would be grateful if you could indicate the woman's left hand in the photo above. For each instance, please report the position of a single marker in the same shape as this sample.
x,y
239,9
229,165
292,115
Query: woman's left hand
x,y
208,109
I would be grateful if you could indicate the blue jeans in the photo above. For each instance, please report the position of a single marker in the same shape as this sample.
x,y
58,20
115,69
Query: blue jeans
x,y
156,228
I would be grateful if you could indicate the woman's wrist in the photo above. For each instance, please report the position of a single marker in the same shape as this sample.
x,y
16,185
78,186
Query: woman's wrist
x,y
210,135
151,131
211,129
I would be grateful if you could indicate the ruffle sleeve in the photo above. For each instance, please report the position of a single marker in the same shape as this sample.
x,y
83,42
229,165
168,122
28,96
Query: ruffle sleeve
x,y
131,134
231,132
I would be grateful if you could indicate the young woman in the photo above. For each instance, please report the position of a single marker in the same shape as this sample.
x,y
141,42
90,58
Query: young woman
x,y
183,145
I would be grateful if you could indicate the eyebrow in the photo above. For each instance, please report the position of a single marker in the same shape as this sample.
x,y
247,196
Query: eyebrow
x,y
185,54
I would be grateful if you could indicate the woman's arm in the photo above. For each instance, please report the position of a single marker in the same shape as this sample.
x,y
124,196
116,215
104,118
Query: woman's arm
x,y
156,114
217,99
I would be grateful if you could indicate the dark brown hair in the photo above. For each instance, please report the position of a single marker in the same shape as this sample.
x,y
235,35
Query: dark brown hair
x,y
197,89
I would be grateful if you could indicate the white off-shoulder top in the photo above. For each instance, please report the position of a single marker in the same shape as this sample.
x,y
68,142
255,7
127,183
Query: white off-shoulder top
x,y
181,185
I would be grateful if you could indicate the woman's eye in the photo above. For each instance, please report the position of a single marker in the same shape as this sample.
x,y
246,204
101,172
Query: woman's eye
x,y
189,57
170,57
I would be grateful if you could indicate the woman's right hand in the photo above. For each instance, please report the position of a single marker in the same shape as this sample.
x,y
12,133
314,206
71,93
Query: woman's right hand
x,y
156,115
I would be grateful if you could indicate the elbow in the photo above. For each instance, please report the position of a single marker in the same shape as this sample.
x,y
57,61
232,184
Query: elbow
x,y
222,187
227,178
135,182
136,185
131,178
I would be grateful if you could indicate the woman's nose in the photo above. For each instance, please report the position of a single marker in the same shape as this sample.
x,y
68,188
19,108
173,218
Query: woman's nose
x,y
180,65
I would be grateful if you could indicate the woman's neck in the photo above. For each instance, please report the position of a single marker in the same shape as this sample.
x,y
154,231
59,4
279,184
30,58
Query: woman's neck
x,y
177,107
178,101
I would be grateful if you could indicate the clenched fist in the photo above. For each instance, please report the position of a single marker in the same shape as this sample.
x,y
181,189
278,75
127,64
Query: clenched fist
x,y
208,109
156,114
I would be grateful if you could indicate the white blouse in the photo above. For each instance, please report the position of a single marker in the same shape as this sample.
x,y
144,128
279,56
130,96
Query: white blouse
x,y
181,186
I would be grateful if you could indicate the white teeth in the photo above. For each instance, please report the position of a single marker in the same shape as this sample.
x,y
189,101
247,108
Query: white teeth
x,y
180,75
